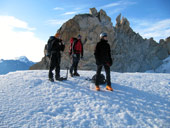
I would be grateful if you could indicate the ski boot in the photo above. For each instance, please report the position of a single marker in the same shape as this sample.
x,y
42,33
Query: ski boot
x,y
51,79
109,88
97,88
76,74
59,78
71,74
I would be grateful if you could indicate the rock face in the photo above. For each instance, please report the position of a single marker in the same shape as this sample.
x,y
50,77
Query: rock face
x,y
166,44
130,52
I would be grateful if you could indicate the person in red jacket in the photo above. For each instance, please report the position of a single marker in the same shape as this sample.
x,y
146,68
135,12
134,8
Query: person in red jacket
x,y
76,51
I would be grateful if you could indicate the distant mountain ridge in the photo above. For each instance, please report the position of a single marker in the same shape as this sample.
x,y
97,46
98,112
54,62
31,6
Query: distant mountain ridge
x,y
20,63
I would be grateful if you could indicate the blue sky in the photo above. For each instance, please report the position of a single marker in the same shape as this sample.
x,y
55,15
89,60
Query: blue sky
x,y
27,24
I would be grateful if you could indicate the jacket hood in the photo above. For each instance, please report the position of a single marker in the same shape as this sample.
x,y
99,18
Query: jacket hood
x,y
102,40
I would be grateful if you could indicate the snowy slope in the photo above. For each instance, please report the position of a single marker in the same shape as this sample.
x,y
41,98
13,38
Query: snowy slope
x,y
29,100
165,67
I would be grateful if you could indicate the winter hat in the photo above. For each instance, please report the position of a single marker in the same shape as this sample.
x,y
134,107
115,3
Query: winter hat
x,y
79,36
57,35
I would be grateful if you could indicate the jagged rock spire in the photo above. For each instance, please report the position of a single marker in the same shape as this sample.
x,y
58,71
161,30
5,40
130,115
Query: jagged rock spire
x,y
93,12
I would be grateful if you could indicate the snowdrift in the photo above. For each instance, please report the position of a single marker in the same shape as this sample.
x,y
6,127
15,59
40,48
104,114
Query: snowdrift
x,y
165,67
28,99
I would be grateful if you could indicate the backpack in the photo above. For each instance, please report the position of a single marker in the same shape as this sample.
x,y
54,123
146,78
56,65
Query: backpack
x,y
102,79
73,41
48,47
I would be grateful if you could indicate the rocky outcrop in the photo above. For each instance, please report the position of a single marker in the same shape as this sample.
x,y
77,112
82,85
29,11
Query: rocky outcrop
x,y
166,44
43,64
130,52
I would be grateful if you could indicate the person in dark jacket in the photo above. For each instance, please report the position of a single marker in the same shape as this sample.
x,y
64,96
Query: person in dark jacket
x,y
76,51
55,45
103,58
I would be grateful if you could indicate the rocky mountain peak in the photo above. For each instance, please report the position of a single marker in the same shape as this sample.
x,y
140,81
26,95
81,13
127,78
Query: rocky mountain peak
x,y
122,23
130,52
93,12
166,44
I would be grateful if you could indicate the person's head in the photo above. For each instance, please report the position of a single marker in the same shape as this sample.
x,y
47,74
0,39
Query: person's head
x,y
103,36
79,36
57,35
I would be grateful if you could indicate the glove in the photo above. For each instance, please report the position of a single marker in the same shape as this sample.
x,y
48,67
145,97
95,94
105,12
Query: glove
x,y
74,55
108,64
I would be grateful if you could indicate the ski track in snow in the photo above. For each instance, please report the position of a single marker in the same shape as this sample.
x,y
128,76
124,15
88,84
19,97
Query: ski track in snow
x,y
28,100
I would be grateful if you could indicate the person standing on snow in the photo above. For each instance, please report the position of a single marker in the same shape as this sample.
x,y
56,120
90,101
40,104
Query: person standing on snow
x,y
103,58
76,51
54,46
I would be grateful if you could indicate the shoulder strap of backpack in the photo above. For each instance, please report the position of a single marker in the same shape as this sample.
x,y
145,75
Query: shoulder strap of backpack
x,y
74,43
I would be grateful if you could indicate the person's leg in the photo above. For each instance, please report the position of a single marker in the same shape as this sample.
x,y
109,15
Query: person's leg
x,y
51,68
57,68
107,70
77,59
98,72
73,65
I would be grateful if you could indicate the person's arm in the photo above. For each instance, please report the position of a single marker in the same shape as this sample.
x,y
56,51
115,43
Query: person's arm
x,y
96,54
62,46
82,50
110,58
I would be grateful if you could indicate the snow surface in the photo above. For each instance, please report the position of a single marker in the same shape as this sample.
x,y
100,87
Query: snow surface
x,y
165,67
139,100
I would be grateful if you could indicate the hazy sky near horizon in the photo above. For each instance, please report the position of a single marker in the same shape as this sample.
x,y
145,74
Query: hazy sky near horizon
x,y
25,25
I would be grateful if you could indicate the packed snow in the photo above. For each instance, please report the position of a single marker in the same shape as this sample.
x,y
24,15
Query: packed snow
x,y
163,68
139,100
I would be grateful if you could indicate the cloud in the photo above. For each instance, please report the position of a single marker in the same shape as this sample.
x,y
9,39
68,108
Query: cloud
x,y
56,21
156,29
111,5
22,42
119,3
69,13
58,8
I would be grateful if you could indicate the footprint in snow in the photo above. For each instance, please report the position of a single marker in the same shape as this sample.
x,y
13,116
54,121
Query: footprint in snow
x,y
35,83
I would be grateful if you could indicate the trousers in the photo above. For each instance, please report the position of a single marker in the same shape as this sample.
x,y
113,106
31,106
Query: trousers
x,y
107,70
75,61
54,65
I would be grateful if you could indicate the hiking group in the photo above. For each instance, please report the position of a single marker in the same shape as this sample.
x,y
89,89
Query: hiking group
x,y
102,55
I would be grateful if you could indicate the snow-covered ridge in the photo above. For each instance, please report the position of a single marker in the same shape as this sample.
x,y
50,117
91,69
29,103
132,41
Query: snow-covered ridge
x,y
22,59
28,99
20,63
1,60
165,67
